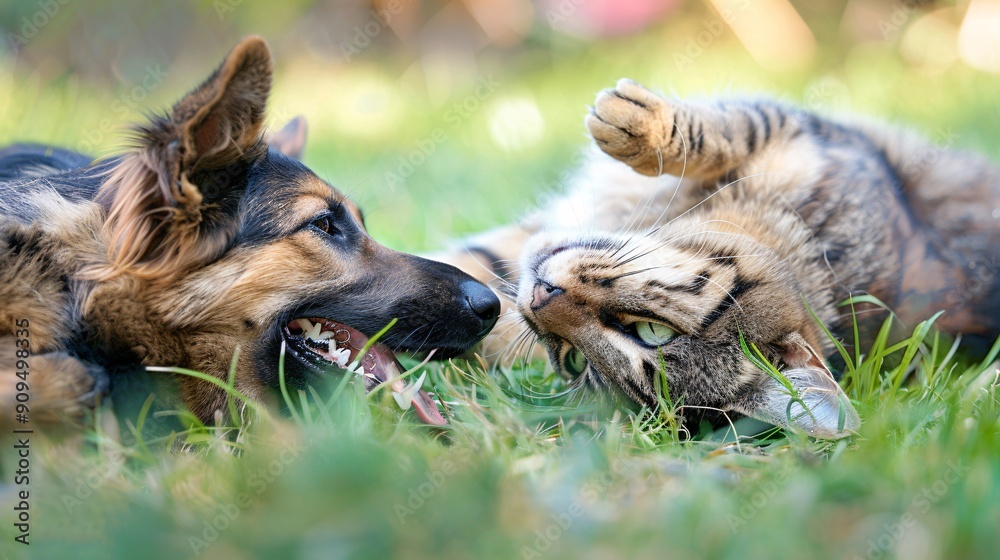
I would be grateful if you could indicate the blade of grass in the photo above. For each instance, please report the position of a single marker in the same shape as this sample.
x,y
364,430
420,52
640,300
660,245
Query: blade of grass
x,y
306,412
915,340
141,421
214,381
284,387
836,343
234,415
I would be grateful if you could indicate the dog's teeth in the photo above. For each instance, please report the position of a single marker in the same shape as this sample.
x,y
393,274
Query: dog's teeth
x,y
325,335
341,356
313,332
404,398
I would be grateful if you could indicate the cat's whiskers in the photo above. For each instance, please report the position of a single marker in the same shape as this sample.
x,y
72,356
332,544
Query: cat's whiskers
x,y
696,258
528,345
626,254
649,201
520,323
669,240
722,188
674,265
619,248
680,178
659,172
639,246
503,281
663,242
522,345
572,389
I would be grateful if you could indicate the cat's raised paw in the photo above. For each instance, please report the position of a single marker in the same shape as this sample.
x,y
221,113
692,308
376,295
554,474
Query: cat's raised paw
x,y
631,124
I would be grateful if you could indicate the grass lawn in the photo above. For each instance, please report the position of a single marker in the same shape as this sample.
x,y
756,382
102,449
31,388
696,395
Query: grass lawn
x,y
518,473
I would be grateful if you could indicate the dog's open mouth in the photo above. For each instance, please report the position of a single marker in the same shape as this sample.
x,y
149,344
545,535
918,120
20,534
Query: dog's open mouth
x,y
323,343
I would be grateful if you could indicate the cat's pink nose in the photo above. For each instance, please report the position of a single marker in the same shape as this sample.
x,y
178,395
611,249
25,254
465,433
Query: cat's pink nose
x,y
543,293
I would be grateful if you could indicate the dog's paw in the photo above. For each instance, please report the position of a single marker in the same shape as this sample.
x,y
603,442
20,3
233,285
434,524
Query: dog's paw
x,y
64,389
101,385
633,125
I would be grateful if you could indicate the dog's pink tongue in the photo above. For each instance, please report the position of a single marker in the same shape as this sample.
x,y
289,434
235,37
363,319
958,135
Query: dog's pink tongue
x,y
385,367
380,365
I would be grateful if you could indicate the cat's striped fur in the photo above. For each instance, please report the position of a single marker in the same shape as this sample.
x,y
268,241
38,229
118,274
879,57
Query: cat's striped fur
x,y
755,209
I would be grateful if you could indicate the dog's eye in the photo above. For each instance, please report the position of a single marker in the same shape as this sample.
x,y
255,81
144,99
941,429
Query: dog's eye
x,y
324,224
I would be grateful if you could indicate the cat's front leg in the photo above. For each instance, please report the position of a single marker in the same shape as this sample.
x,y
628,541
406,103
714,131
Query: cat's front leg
x,y
635,126
654,135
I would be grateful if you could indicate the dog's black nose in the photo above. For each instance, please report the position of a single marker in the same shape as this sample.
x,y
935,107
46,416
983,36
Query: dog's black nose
x,y
483,302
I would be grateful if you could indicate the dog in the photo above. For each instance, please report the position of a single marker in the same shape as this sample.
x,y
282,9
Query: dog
x,y
204,242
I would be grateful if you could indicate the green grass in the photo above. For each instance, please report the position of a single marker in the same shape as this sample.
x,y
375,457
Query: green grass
x,y
514,474
520,472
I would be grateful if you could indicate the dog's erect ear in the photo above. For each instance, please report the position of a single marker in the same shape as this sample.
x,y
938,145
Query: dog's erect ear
x,y
222,120
163,200
291,139
828,412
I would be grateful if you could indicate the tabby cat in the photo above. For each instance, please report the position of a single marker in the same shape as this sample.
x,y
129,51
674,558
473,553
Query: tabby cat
x,y
751,214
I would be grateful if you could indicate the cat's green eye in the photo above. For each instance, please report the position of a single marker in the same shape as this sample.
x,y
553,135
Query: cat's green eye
x,y
574,362
654,334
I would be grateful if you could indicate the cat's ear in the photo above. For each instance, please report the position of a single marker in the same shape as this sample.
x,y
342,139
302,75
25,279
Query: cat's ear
x,y
827,413
291,139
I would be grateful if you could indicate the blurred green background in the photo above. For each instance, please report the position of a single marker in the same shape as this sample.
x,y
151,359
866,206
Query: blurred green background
x,y
443,118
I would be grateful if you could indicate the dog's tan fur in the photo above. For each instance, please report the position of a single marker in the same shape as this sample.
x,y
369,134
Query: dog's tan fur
x,y
200,241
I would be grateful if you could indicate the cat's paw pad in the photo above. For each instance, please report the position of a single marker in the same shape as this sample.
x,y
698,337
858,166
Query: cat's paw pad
x,y
631,124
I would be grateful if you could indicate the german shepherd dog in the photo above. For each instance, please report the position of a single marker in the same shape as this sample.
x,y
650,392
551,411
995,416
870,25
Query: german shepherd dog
x,y
201,240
